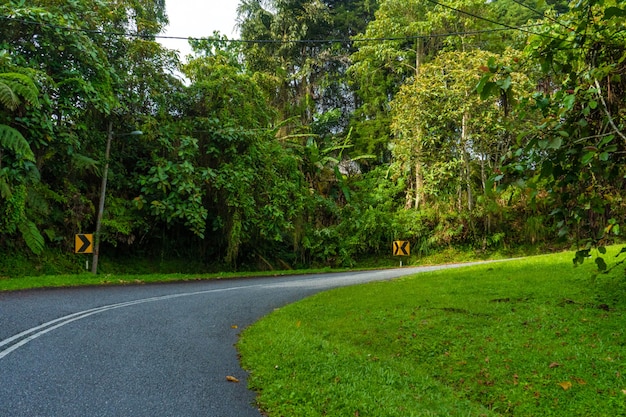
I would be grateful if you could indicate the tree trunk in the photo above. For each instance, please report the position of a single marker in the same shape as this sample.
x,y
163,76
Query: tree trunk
x,y
419,178
419,185
466,162
418,56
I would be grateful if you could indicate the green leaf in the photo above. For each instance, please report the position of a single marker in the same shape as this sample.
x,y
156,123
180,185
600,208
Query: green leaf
x,y
606,140
481,84
587,158
34,240
491,63
602,250
579,256
601,264
568,101
487,90
612,12
547,168
13,140
15,85
5,190
505,84
555,143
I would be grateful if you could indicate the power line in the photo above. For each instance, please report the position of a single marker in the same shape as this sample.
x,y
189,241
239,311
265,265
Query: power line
x,y
279,41
542,14
522,29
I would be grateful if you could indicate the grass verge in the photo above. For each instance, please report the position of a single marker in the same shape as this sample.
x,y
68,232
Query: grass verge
x,y
88,279
532,337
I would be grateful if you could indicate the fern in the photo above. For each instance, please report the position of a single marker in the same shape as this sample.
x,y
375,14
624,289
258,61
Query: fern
x,y
5,190
14,85
84,163
13,140
7,97
31,235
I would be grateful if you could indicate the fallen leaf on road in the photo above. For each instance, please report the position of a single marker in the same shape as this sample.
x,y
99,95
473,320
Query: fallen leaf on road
x,y
231,379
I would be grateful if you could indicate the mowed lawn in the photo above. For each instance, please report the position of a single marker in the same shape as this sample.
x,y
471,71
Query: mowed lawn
x,y
531,337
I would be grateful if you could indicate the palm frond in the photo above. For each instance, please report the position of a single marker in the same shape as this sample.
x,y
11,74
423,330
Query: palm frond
x,y
8,98
84,163
14,85
31,235
13,140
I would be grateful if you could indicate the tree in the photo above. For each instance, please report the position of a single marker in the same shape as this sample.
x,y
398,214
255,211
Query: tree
x,y
219,170
89,75
404,36
447,144
578,151
18,172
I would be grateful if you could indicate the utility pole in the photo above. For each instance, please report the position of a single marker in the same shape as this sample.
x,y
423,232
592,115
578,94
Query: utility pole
x,y
103,190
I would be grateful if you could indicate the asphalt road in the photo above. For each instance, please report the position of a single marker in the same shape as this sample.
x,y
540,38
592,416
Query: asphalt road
x,y
151,350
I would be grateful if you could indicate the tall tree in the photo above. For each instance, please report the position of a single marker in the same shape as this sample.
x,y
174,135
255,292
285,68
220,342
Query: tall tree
x,y
305,46
578,150
87,70
459,146
219,171
404,36
18,173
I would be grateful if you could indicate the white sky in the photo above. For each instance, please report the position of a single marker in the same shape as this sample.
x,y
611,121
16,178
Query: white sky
x,y
197,19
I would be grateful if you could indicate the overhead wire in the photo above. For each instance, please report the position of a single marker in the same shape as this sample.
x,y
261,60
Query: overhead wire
x,y
287,41
541,14
522,29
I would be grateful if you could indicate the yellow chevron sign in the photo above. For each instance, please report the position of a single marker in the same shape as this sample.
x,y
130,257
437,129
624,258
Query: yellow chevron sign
x,y
83,244
401,248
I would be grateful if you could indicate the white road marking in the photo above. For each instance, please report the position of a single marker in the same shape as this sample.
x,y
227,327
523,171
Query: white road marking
x,y
38,331
33,333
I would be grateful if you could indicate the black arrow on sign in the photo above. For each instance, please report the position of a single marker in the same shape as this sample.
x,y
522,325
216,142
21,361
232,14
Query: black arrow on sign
x,y
86,243
403,248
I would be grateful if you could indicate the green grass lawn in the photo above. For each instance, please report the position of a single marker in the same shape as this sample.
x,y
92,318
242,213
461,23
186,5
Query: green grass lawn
x,y
532,337
88,279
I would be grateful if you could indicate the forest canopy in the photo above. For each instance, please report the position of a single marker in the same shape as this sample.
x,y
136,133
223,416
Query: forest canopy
x,y
329,130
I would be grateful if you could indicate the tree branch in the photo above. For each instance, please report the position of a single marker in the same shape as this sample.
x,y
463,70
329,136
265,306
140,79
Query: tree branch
x,y
606,110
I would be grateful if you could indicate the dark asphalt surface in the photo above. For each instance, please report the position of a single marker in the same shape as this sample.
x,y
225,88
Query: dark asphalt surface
x,y
152,350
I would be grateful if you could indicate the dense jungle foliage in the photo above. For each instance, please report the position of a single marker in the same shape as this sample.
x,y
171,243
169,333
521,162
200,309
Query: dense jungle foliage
x,y
333,128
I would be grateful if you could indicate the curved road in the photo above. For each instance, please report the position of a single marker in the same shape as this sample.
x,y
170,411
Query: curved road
x,y
153,350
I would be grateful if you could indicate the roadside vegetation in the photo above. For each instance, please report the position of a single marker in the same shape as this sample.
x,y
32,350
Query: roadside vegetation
x,y
54,269
108,279
328,130
471,129
530,337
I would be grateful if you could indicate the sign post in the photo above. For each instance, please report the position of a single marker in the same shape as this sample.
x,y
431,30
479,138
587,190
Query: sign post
x,y
401,248
83,244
